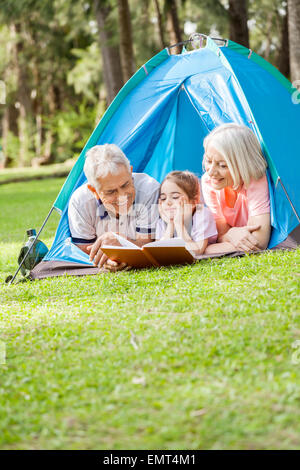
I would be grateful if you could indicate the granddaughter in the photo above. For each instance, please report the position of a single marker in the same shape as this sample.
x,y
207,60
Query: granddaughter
x,y
182,213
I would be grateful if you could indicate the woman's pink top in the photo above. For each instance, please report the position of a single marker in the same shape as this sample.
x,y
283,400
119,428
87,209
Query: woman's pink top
x,y
251,201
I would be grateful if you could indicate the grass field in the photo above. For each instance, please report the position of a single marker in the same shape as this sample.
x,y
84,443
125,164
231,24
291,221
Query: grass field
x,y
192,357
15,175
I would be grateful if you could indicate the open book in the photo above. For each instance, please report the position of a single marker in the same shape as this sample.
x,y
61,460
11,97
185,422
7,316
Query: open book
x,y
159,253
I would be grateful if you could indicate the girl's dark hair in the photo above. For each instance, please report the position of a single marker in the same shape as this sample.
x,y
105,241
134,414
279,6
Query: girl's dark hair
x,y
188,182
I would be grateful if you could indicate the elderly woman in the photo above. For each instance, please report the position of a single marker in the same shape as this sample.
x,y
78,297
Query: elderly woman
x,y
235,188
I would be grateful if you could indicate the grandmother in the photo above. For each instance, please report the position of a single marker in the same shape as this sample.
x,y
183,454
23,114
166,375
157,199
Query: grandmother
x,y
235,188
114,200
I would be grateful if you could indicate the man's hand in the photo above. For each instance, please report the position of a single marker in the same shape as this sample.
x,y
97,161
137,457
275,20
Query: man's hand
x,y
96,254
242,239
113,266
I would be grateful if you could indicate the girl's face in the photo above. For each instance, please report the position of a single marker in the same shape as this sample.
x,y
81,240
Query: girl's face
x,y
217,169
170,195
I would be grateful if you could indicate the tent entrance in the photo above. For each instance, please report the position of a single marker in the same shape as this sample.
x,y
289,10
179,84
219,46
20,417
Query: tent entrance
x,y
180,146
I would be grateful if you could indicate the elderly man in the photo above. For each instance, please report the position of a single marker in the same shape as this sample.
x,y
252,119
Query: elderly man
x,y
114,200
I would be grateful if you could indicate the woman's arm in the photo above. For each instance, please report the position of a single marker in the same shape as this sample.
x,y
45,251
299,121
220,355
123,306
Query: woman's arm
x,y
253,237
219,248
264,232
222,228
197,248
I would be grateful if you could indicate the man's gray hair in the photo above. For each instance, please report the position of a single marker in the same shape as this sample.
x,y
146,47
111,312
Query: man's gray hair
x,y
101,160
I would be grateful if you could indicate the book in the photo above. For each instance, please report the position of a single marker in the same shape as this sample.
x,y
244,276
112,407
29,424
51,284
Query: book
x,y
159,253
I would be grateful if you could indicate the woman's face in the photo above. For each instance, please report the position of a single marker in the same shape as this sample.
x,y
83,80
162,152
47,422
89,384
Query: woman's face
x,y
217,169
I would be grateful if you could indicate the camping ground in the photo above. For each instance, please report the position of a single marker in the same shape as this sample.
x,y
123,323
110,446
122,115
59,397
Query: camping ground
x,y
192,357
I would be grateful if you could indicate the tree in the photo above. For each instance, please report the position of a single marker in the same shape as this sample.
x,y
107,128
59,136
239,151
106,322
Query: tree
x,y
284,50
294,38
112,71
238,17
160,24
173,26
126,46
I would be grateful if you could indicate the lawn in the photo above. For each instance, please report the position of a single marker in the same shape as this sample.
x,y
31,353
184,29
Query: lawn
x,y
191,357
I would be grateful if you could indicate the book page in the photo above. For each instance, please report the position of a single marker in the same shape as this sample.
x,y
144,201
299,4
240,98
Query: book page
x,y
176,241
135,258
124,243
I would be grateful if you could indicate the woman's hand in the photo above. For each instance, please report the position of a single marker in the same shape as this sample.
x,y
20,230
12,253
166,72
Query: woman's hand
x,y
242,238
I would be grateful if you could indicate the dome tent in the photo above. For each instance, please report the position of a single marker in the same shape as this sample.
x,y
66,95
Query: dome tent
x,y
162,114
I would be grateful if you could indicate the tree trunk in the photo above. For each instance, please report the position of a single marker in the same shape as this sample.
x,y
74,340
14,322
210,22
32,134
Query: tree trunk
x,y
173,27
268,35
126,47
160,25
5,130
284,51
37,108
238,17
23,136
6,115
48,155
24,101
112,70
294,38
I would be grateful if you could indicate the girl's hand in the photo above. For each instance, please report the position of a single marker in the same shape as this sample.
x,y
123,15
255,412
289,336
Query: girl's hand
x,y
169,233
188,213
183,216
179,217
162,214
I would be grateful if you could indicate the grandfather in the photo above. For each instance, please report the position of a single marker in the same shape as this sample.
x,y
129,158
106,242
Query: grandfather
x,y
114,200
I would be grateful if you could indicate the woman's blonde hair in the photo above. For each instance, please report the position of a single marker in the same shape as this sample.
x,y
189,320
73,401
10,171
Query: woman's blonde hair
x,y
241,151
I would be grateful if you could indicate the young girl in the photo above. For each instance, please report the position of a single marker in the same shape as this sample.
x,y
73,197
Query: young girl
x,y
182,213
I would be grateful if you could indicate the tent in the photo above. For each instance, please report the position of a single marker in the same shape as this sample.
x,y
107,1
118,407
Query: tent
x,y
162,114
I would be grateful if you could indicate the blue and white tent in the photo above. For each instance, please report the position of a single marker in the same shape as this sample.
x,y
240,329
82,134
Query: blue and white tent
x,y
162,114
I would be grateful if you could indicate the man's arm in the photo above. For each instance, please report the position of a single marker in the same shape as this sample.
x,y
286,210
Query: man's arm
x,y
81,221
97,255
84,248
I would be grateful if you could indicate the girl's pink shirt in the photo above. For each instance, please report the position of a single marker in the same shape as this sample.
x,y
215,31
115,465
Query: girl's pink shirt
x,y
251,201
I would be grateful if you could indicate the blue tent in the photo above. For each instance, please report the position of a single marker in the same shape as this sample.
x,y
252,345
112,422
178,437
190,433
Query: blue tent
x,y
161,116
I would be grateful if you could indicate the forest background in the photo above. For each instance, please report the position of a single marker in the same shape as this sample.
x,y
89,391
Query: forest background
x,y
62,62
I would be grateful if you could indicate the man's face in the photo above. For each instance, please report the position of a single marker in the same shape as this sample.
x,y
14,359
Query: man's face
x,y
117,191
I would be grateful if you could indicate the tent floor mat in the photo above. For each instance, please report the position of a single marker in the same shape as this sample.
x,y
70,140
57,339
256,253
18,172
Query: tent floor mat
x,y
47,269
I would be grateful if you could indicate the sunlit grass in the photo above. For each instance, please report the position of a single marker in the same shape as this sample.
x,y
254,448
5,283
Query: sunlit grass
x,y
181,358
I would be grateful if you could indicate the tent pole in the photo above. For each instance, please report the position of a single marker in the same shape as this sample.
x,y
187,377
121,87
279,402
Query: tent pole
x,y
31,246
287,196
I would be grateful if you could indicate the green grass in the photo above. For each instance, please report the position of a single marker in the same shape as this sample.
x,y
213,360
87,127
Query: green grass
x,y
210,366
10,175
